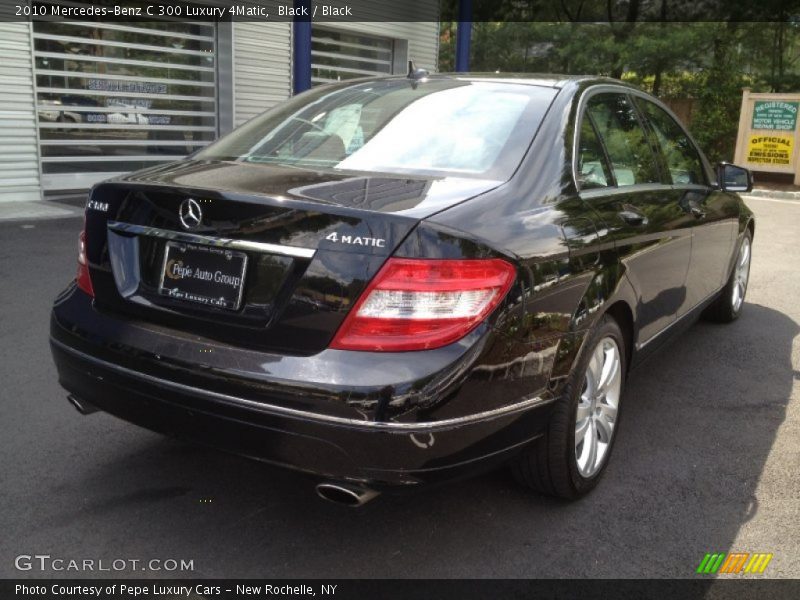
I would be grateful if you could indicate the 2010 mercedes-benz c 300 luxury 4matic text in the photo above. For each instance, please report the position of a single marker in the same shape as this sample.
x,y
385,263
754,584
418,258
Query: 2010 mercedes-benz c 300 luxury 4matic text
x,y
403,280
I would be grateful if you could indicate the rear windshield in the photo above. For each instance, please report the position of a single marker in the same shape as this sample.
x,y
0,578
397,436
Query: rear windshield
x,y
435,127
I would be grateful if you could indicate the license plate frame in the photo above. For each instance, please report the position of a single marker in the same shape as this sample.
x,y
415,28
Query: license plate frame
x,y
204,273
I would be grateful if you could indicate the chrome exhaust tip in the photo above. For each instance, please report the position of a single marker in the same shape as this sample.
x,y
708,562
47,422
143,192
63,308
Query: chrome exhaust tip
x,y
82,406
345,494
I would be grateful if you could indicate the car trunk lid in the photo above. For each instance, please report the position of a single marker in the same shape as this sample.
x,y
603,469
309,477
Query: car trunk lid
x,y
253,255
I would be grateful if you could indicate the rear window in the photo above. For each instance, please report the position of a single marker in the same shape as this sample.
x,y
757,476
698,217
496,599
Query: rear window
x,y
436,127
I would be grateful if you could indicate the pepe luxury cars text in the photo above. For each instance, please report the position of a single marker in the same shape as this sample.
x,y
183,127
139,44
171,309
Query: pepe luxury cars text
x,y
403,280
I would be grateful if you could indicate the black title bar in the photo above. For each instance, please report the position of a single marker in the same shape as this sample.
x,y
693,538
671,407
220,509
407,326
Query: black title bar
x,y
576,11
740,588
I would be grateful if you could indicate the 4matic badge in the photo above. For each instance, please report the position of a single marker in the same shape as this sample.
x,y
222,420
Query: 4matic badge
x,y
356,240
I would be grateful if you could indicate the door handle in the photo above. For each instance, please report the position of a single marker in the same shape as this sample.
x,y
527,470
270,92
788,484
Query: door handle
x,y
631,217
697,212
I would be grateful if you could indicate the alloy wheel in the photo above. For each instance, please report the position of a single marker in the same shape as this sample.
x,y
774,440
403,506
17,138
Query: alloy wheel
x,y
740,275
598,406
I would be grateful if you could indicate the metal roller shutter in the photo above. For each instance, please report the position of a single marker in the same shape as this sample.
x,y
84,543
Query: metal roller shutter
x,y
19,167
338,55
262,66
116,97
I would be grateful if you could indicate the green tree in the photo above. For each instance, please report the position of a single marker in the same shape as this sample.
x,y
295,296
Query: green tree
x,y
707,62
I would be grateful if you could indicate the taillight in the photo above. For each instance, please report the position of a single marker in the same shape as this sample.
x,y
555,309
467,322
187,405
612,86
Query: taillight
x,y
419,304
82,278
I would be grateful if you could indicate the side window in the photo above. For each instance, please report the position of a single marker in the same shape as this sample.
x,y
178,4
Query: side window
x,y
593,171
622,134
680,154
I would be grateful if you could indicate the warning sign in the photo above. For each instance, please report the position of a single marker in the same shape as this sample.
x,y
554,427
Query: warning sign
x,y
775,150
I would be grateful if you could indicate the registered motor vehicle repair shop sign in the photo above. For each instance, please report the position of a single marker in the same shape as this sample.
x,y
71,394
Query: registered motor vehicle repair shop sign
x,y
768,133
777,116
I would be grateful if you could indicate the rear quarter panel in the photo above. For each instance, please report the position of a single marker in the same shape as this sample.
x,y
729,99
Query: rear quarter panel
x,y
568,272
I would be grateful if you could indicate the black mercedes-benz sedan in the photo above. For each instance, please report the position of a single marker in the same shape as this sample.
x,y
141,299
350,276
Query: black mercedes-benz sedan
x,y
404,280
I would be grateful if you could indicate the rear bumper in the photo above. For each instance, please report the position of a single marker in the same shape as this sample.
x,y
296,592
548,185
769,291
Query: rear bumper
x,y
380,453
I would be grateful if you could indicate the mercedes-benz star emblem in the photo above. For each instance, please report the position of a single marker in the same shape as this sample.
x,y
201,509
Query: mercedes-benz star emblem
x,y
190,213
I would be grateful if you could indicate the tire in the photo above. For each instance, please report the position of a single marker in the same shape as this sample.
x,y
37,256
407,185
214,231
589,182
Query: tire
x,y
551,464
730,302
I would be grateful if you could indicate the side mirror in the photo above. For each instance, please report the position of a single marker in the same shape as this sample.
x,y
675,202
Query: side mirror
x,y
734,179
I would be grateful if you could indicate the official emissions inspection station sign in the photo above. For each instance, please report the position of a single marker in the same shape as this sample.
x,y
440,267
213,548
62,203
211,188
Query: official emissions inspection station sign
x,y
773,150
768,135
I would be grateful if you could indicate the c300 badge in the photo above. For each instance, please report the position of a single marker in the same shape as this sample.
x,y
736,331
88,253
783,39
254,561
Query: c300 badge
x,y
98,206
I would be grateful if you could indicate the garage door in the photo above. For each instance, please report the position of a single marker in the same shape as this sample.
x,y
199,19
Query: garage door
x,y
339,55
116,97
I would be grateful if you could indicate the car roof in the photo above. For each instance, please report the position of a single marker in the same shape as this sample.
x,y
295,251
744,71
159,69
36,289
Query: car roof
x,y
538,79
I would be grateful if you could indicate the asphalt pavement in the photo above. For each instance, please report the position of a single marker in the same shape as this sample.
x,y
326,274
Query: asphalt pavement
x,y
707,461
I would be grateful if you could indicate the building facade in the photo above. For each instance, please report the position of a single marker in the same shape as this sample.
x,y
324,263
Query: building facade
x,y
84,101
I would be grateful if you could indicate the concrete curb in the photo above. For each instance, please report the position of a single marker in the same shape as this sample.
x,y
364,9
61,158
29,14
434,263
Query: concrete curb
x,y
779,194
